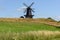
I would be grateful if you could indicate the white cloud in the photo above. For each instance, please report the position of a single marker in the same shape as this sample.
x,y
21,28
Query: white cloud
x,y
58,16
21,9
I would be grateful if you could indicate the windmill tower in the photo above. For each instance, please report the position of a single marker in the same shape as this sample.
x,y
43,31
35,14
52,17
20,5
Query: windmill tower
x,y
28,11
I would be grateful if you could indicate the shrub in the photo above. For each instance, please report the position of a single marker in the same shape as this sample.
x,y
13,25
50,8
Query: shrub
x,y
21,17
51,20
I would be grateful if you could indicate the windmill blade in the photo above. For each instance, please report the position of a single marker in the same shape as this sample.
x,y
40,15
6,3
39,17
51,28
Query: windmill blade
x,y
32,10
31,4
25,10
25,5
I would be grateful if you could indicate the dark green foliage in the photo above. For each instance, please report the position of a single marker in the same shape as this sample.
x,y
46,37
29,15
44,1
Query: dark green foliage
x,y
51,20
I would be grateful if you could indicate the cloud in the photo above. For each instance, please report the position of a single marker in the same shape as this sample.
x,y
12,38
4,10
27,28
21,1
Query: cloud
x,y
58,16
21,9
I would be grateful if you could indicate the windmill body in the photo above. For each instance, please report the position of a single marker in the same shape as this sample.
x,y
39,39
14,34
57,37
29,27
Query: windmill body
x,y
28,11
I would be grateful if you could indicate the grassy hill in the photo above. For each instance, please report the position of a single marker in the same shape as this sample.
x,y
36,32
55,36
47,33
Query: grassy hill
x,y
17,24
17,28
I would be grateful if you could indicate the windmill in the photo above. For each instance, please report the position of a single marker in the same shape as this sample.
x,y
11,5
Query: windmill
x,y
28,11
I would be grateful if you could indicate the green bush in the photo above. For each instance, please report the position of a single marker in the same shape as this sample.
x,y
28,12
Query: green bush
x,y
52,20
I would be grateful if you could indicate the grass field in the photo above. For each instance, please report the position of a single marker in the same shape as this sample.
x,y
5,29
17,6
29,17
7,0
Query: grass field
x,y
28,30
25,26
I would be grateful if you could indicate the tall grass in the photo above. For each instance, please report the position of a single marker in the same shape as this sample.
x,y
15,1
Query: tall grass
x,y
31,35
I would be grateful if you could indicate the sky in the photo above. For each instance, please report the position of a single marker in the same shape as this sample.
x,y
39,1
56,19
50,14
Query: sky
x,y
42,8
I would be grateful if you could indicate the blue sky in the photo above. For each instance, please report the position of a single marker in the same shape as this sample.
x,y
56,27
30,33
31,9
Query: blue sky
x,y
42,8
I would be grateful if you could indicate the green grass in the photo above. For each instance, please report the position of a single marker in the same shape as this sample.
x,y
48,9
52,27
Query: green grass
x,y
21,31
25,26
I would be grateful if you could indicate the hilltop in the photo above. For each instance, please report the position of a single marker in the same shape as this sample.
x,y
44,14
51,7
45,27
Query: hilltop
x,y
37,20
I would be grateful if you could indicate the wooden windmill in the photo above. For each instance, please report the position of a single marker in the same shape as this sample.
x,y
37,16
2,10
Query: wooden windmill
x,y
28,11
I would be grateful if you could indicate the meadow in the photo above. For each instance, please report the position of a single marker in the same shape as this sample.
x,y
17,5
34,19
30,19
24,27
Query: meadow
x,y
28,29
